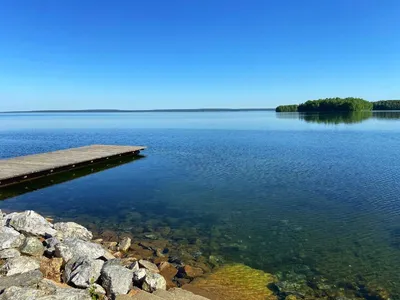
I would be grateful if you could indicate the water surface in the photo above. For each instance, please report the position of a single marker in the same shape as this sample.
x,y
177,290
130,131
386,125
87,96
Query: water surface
x,y
310,194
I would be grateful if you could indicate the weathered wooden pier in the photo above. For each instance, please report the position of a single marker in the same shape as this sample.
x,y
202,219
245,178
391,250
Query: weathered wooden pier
x,y
18,169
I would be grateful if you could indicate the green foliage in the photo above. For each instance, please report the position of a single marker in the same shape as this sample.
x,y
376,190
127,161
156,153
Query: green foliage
x,y
386,105
335,104
287,108
92,290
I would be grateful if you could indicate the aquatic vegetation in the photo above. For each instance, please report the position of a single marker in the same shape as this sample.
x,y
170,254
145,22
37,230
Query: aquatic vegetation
x,y
237,282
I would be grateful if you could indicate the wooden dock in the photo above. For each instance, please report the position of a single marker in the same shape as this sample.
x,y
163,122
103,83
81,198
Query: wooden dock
x,y
17,169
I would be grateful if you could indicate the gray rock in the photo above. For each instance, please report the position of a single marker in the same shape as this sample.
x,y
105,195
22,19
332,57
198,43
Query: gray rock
x,y
9,253
19,265
82,271
2,222
10,238
21,293
134,266
124,244
28,279
115,278
32,246
68,294
56,292
50,244
149,266
138,276
98,289
153,282
70,248
30,223
69,230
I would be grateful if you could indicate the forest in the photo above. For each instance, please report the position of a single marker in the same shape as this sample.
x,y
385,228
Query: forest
x,y
329,105
386,105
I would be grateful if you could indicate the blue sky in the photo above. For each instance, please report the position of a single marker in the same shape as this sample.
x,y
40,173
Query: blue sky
x,y
200,53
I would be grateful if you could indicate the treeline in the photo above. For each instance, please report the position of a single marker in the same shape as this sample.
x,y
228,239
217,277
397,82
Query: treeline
x,y
287,108
329,104
386,105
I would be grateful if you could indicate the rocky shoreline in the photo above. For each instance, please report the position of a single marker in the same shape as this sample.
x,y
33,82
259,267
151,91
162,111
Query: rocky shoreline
x,y
42,260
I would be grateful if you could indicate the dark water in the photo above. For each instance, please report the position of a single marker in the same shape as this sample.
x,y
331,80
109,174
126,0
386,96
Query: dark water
x,y
313,194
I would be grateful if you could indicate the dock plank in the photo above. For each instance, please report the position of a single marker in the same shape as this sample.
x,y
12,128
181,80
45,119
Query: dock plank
x,y
14,170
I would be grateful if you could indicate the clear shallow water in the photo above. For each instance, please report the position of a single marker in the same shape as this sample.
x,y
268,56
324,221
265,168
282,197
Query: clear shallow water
x,y
312,194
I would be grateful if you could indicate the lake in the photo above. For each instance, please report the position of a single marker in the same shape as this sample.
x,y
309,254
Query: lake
x,y
291,194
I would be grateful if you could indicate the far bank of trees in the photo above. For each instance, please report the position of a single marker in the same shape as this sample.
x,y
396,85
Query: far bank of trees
x,y
329,105
386,105
287,108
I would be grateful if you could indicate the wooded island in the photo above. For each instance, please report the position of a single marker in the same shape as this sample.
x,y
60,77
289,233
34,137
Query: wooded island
x,y
340,105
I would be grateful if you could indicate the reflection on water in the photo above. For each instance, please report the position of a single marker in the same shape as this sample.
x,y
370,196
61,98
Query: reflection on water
x,y
340,117
46,181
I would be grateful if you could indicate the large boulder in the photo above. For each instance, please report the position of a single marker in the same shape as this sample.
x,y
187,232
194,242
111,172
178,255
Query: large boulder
x,y
70,248
153,282
66,230
115,278
30,223
28,279
10,238
81,272
19,265
32,246
9,253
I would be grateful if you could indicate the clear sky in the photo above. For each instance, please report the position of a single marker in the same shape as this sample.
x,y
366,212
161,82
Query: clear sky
x,y
78,54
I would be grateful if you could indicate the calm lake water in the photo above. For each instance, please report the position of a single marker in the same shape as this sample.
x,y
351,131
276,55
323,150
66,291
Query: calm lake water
x,y
310,194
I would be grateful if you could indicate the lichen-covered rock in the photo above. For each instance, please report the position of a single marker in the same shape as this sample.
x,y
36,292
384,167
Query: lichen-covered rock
x,y
28,279
9,253
19,265
30,223
124,244
149,266
81,271
51,268
10,238
32,246
67,230
115,278
153,282
70,248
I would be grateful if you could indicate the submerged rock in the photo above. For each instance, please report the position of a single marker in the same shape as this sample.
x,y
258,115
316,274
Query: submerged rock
x,y
9,253
30,223
70,248
236,282
67,230
82,271
10,238
115,278
28,279
32,246
19,265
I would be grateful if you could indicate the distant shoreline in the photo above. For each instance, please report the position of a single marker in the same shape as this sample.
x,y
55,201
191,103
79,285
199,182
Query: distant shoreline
x,y
140,111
